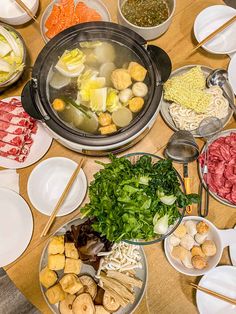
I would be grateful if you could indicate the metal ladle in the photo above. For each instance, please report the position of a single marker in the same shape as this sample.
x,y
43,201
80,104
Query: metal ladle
x,y
183,149
219,77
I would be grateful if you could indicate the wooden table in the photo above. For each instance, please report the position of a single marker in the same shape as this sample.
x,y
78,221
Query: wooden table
x,y
168,291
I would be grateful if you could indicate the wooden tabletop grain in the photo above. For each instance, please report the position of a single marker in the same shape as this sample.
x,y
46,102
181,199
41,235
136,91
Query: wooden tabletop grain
x,y
168,291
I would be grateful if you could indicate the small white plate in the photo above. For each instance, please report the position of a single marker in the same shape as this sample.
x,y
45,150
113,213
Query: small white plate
x,y
47,182
208,21
232,252
221,279
42,142
232,73
16,226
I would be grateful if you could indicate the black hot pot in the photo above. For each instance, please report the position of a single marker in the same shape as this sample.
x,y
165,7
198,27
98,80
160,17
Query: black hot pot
x,y
35,95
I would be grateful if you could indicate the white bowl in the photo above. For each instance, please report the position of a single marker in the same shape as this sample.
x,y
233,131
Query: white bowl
x,y
208,21
148,33
222,238
12,14
47,182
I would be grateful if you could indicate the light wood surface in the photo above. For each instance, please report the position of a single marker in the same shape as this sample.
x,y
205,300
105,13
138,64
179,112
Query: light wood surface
x,y
168,291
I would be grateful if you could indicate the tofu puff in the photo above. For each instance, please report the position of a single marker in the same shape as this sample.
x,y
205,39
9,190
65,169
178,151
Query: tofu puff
x,y
71,251
47,277
55,294
56,262
56,245
72,266
70,283
137,71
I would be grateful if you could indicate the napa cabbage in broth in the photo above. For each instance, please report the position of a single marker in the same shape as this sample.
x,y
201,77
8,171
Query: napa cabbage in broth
x,y
93,87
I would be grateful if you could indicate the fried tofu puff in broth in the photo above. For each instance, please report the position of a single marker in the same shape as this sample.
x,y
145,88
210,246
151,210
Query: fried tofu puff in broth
x,y
98,87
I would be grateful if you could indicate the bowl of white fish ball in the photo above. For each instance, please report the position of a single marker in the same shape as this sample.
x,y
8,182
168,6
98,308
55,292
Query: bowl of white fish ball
x,y
95,87
196,246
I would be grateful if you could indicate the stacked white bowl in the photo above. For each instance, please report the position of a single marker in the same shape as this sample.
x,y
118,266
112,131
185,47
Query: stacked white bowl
x,y
12,14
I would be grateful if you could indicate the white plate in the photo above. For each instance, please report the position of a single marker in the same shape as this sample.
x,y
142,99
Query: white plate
x,y
165,112
221,279
232,252
208,21
232,73
16,226
94,4
42,142
47,182
141,273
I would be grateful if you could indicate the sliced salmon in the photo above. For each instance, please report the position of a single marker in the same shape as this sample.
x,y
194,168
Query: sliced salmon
x,y
68,7
80,9
66,14
53,17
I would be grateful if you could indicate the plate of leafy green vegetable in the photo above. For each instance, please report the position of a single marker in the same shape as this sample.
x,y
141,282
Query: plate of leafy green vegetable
x,y
138,198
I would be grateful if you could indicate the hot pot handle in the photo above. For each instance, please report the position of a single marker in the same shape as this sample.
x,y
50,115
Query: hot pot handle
x,y
162,61
28,102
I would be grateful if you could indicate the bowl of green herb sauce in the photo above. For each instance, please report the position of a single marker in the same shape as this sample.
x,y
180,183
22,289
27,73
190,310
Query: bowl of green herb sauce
x,y
148,18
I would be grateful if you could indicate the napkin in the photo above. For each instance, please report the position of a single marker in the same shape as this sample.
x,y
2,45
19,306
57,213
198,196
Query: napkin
x,y
9,179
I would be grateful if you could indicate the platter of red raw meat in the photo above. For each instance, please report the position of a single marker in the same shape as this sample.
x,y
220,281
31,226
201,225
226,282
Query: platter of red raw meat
x,y
23,140
221,167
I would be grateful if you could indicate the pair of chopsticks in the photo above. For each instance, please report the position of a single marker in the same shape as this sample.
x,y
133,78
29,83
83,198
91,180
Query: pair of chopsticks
x,y
26,9
214,294
216,32
62,198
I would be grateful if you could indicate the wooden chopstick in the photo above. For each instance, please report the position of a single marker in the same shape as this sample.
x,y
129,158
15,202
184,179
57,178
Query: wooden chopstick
x,y
26,9
62,198
217,31
214,294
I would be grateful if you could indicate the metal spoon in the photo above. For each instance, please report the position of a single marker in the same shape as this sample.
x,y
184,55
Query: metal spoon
x,y
219,77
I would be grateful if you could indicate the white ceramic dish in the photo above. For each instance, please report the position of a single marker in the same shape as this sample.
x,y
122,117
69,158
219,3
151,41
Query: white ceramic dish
x,y
222,239
12,14
141,273
232,252
232,73
16,226
216,196
148,33
165,112
47,182
221,279
42,142
208,21
95,4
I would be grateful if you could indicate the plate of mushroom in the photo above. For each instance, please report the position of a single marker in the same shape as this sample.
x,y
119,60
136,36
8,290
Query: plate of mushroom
x,y
196,246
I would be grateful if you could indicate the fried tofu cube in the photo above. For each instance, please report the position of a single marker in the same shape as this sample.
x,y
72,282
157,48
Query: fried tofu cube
x,y
56,262
137,71
71,251
47,277
55,294
71,284
56,245
72,266
108,129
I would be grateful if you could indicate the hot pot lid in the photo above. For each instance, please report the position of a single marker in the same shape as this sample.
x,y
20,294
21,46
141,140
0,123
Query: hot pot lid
x,y
77,65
